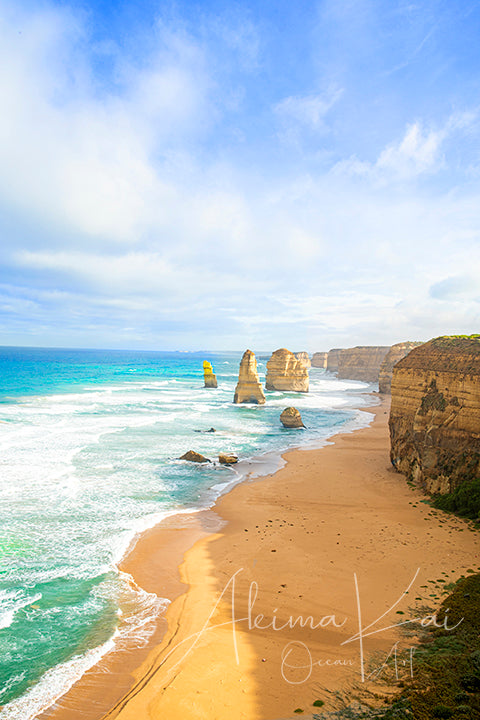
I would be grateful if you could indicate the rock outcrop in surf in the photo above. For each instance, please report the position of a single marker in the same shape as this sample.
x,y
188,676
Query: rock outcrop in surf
x,y
304,358
248,388
286,373
209,376
291,418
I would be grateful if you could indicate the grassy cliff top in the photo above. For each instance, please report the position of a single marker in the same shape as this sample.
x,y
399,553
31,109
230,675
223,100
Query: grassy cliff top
x,y
448,353
457,341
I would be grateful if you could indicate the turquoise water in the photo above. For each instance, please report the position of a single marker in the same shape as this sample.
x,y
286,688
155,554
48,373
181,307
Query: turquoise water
x,y
89,447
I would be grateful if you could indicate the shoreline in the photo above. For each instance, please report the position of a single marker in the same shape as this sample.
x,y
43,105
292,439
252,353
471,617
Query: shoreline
x,y
208,551
174,534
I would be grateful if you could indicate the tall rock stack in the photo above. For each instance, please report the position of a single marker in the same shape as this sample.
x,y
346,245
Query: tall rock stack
x,y
248,388
362,362
435,413
208,375
304,358
286,373
333,357
395,354
319,360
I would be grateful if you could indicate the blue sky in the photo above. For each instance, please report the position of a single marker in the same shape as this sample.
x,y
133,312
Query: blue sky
x,y
222,175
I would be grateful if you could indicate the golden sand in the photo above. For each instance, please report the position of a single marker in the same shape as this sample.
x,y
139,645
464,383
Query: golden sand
x,y
267,609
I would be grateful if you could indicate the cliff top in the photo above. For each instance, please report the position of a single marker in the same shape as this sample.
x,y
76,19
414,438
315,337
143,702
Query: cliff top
x,y
457,341
368,347
448,353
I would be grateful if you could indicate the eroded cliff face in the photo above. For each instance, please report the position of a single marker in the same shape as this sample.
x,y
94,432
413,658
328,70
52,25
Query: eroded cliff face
x,y
248,388
333,357
319,360
361,363
285,372
435,413
394,355
304,358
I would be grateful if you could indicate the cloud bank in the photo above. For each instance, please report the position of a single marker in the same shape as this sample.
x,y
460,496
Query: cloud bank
x,y
184,191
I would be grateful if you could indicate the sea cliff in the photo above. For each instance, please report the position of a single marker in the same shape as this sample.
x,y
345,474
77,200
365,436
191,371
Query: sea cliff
x,y
333,357
435,413
394,355
361,363
319,360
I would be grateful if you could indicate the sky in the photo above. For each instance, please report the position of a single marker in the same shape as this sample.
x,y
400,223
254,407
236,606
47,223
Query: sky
x,y
222,175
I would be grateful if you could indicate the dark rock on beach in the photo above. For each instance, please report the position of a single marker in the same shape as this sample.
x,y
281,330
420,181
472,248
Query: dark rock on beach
x,y
227,459
193,456
291,418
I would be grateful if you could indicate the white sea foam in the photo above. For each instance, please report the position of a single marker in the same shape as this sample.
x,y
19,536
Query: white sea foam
x,y
53,684
11,603
90,470
139,614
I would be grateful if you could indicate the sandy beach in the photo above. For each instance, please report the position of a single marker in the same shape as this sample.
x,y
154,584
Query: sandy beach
x,y
274,585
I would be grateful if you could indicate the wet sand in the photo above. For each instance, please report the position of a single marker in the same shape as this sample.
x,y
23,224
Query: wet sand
x,y
266,607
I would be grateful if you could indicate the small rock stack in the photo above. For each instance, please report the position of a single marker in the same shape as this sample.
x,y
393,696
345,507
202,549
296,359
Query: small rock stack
x,y
208,375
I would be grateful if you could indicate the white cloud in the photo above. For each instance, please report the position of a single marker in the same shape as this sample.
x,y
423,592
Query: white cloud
x,y
308,110
420,151
133,214
85,163
416,153
457,288
301,114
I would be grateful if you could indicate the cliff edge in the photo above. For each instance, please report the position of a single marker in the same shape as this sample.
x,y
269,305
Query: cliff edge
x,y
394,355
361,363
319,360
435,413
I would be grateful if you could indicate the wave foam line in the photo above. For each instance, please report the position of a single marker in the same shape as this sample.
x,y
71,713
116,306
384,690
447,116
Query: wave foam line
x,y
7,616
53,684
136,626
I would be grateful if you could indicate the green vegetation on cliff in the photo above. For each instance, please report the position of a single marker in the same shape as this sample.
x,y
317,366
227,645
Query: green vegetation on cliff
x,y
448,340
447,353
446,676
446,682
464,500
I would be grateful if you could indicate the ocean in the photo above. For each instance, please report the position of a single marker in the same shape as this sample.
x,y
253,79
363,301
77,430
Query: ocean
x,y
89,448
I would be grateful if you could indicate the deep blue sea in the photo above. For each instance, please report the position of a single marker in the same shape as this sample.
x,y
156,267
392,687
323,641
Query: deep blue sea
x,y
89,448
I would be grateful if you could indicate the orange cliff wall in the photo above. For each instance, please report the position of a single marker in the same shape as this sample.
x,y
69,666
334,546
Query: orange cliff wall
x,y
435,413
361,363
394,355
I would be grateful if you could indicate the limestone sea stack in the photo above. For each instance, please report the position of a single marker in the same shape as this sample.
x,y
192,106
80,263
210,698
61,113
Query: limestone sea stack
x,y
208,375
304,358
435,413
362,362
332,359
248,388
394,355
291,418
319,360
286,373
